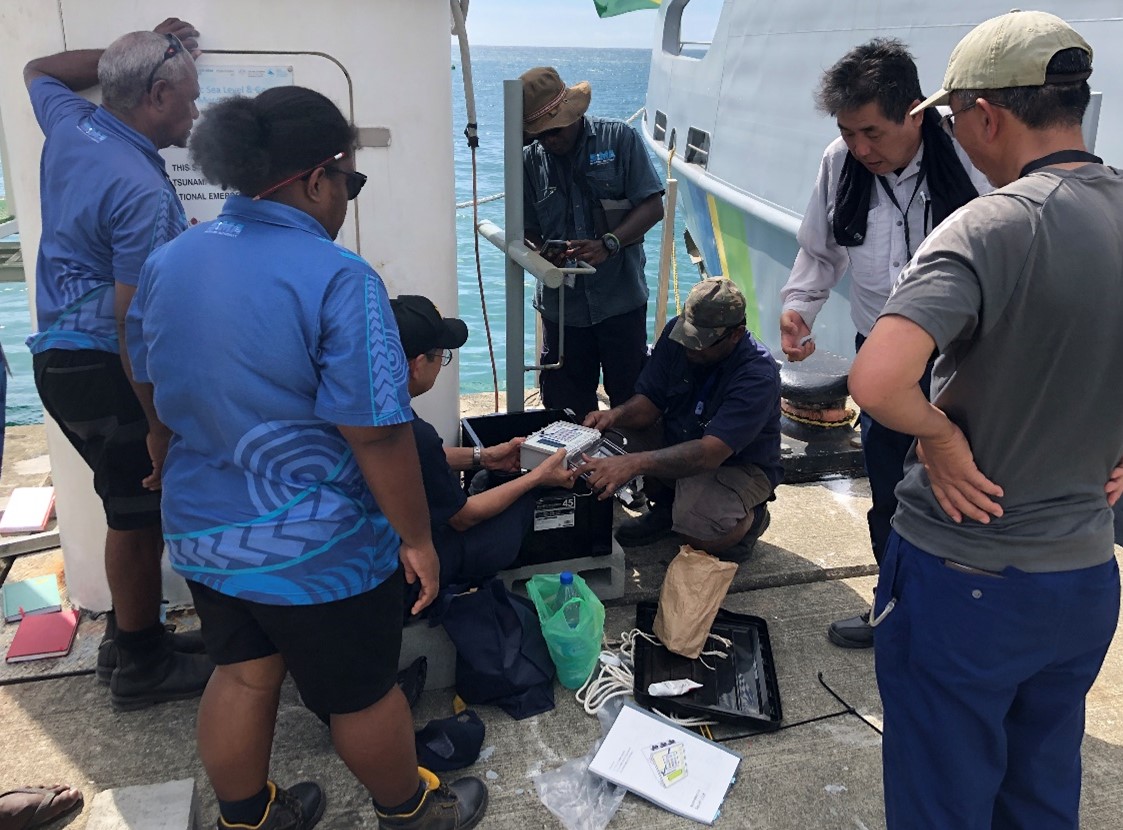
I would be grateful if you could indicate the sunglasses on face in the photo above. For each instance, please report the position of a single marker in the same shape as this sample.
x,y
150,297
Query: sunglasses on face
x,y
355,181
174,48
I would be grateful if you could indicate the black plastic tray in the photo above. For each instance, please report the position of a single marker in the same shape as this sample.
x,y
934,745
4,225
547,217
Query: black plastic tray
x,y
741,689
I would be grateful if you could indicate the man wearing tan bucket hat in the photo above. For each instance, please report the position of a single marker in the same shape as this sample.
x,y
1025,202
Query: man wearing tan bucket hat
x,y
999,591
589,183
712,392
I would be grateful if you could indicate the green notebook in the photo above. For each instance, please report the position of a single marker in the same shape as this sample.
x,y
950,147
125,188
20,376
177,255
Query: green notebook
x,y
38,595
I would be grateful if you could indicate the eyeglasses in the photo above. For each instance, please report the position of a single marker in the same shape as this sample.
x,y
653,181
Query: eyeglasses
x,y
174,48
444,354
355,181
948,121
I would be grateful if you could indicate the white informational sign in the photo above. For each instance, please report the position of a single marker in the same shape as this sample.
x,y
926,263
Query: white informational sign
x,y
203,201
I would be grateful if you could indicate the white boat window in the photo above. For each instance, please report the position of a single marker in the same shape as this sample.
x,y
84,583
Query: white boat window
x,y
697,147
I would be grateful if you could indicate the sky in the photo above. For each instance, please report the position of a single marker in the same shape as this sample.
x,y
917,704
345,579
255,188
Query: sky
x,y
575,23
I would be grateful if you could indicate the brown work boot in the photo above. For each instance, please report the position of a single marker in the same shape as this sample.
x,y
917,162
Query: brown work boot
x,y
298,807
456,806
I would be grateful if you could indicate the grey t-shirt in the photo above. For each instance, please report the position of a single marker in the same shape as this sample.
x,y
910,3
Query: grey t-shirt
x,y
1022,290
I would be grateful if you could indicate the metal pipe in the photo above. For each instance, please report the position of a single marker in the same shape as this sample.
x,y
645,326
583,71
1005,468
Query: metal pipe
x,y
513,222
665,257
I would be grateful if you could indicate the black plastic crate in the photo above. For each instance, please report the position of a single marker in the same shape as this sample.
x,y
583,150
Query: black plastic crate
x,y
569,524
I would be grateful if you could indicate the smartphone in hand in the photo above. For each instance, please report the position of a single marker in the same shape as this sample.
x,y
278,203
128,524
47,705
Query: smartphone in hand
x,y
553,247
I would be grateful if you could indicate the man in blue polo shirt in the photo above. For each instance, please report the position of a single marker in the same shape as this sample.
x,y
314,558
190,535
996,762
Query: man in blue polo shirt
x,y
717,391
107,204
590,182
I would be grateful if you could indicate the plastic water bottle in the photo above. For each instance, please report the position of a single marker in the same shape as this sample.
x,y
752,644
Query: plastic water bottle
x,y
567,591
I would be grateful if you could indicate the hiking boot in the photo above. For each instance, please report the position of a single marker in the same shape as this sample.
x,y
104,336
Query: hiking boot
x,y
652,526
741,551
456,806
187,642
298,807
853,632
142,679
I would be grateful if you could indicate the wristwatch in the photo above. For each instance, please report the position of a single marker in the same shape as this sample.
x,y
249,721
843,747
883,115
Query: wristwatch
x,y
477,456
611,244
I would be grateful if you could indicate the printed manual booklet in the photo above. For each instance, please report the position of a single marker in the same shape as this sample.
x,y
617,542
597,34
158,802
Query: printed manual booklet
x,y
673,767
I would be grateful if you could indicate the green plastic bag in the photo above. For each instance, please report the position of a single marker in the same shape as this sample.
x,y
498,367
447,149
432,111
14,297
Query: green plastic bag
x,y
574,649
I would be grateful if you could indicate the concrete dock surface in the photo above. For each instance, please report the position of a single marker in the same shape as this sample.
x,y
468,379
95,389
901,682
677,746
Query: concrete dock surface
x,y
812,566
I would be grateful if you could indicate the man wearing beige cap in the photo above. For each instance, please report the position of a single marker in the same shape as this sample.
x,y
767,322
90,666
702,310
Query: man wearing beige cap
x,y
999,590
589,185
717,391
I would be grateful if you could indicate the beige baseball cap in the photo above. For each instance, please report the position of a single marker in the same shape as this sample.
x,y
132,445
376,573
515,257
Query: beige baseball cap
x,y
1012,49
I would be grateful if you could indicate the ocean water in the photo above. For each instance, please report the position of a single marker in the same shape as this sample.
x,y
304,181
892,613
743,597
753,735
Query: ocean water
x,y
619,81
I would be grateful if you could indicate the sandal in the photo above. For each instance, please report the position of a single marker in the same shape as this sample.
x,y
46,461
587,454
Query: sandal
x,y
26,808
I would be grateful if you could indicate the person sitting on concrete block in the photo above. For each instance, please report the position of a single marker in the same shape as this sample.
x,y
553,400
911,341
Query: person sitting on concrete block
x,y
716,390
476,536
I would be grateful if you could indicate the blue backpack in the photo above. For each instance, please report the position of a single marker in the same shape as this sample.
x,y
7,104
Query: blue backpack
x,y
501,656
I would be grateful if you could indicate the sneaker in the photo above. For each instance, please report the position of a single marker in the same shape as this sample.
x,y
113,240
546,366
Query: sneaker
x,y
187,642
298,807
652,526
155,678
456,806
853,632
741,551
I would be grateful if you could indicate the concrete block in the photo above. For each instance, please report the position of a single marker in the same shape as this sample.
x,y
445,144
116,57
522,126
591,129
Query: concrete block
x,y
603,574
419,639
168,806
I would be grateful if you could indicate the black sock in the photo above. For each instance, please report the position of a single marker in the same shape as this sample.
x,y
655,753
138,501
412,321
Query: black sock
x,y
247,811
143,642
407,806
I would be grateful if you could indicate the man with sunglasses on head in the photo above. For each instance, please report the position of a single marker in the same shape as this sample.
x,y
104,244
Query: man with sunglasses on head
x,y
107,204
883,185
587,183
477,535
712,392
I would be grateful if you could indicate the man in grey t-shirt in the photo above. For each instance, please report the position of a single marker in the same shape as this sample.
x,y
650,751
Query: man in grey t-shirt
x,y
999,591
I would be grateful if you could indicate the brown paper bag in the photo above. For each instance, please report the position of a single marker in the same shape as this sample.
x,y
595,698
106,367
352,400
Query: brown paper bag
x,y
693,590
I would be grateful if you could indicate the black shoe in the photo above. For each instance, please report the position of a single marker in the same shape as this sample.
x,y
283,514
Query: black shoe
x,y
187,642
143,679
456,806
853,632
298,807
741,551
652,526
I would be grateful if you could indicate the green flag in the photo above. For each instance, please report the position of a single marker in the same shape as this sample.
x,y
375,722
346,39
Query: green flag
x,y
611,8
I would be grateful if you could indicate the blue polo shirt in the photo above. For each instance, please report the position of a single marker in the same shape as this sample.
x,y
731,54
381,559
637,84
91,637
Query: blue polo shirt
x,y
736,400
610,165
107,204
260,335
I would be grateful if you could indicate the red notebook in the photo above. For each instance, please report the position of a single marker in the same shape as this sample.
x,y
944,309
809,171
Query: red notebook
x,y
43,635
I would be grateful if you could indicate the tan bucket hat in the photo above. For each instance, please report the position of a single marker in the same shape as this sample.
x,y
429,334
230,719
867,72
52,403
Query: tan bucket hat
x,y
548,103
1012,49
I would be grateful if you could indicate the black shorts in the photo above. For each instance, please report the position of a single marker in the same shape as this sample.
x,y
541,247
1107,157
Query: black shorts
x,y
342,655
87,393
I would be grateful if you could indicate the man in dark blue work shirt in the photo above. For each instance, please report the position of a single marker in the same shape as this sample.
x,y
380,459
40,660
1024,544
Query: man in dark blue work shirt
x,y
717,391
589,182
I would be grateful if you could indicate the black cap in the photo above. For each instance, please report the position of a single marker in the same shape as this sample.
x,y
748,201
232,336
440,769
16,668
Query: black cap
x,y
423,329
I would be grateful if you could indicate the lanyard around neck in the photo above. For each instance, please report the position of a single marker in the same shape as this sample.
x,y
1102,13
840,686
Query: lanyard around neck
x,y
904,213
1059,157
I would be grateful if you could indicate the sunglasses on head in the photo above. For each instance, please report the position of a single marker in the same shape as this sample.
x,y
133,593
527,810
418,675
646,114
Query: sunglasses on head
x,y
174,48
354,180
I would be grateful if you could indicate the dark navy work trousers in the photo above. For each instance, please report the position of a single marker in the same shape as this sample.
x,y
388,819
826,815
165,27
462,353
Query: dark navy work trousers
x,y
883,452
481,551
618,345
983,680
